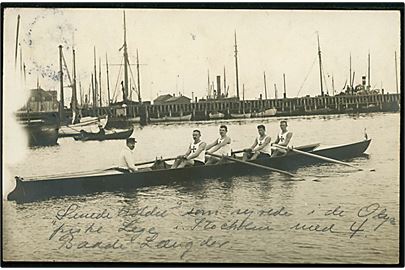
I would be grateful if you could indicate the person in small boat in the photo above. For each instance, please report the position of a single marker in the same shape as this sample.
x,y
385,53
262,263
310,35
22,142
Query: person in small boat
x,y
221,146
126,160
195,155
283,139
261,146
101,130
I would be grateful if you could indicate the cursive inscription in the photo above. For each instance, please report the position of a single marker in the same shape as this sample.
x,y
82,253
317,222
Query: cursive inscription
x,y
195,229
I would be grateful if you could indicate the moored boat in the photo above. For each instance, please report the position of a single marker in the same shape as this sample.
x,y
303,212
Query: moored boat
x,y
90,125
41,133
179,118
266,113
171,118
217,115
109,135
241,115
39,188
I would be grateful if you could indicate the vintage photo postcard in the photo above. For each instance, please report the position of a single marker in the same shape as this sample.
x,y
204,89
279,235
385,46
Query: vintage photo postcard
x,y
205,134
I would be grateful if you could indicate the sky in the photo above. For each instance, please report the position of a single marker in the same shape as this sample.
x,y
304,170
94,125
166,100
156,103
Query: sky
x,y
177,48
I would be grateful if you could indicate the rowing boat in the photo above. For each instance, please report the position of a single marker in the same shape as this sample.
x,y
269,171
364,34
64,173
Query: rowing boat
x,y
109,135
241,115
171,118
217,115
40,188
88,126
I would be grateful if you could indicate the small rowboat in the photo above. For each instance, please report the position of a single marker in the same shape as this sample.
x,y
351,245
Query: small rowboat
x,y
109,135
171,118
40,188
266,113
88,125
217,115
241,115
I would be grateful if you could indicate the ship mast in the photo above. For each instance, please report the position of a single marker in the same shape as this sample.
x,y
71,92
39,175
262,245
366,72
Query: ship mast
x,y
320,64
265,86
74,92
99,81
236,68
125,98
396,72
225,91
108,80
61,103
95,81
350,70
285,89
368,76
138,77
208,85
16,40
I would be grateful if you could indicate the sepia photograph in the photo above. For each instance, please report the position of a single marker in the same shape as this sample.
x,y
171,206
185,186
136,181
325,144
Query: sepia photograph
x,y
202,133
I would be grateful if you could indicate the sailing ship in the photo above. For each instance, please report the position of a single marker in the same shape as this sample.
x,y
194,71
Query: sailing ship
x,y
39,118
121,116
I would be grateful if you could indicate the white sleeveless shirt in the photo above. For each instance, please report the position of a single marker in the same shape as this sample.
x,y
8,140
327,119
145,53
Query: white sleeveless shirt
x,y
267,148
224,150
282,137
194,147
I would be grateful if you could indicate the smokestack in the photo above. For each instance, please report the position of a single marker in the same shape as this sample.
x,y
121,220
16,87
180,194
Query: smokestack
x,y
218,86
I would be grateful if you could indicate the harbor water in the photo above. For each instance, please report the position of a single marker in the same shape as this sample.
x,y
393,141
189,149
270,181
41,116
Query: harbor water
x,y
335,215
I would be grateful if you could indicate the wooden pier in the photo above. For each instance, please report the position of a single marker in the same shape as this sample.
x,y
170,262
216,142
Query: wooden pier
x,y
285,107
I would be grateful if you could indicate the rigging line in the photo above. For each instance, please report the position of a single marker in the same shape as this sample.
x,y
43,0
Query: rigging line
x,y
310,69
326,82
116,84
132,75
323,74
67,70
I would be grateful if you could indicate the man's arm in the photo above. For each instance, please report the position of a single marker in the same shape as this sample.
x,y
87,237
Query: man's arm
x,y
226,141
212,145
199,150
266,142
130,162
188,152
253,145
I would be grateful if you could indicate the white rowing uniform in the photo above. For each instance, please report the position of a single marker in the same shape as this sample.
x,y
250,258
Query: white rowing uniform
x,y
267,148
194,148
282,137
224,150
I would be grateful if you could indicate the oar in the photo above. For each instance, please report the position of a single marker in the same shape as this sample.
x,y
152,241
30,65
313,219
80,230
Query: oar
x,y
319,157
152,161
253,164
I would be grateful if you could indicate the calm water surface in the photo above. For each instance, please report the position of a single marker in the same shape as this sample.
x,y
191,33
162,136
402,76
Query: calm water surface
x,y
271,214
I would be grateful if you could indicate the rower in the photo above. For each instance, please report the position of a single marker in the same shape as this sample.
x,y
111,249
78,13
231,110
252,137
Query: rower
x,y
283,139
260,148
101,130
126,160
221,146
195,155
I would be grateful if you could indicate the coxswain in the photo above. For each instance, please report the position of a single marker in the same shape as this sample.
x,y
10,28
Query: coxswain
x,y
195,155
283,139
261,146
221,146
126,160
